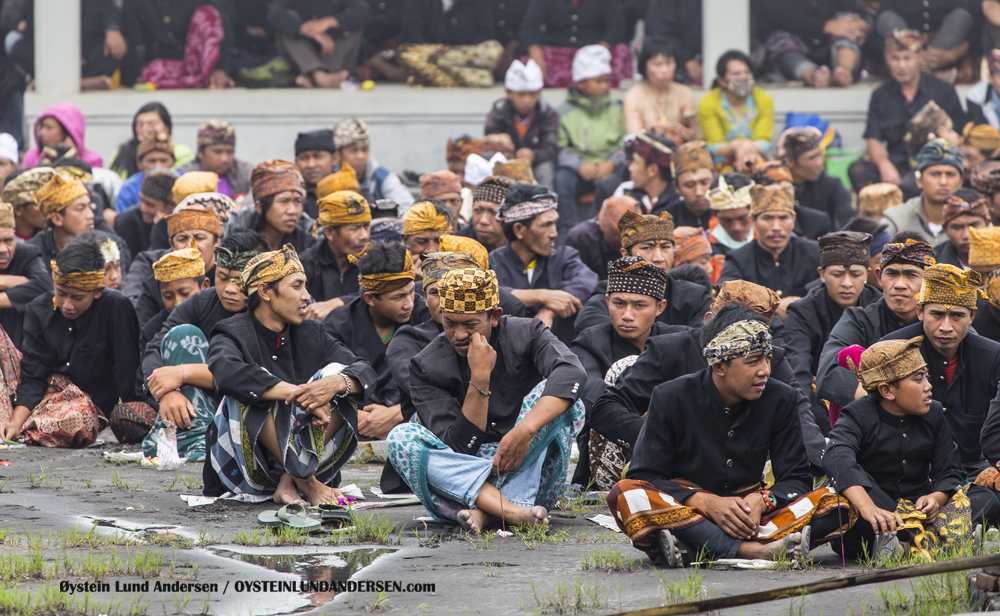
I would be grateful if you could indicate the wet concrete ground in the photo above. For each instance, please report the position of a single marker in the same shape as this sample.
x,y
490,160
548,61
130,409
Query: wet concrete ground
x,y
509,576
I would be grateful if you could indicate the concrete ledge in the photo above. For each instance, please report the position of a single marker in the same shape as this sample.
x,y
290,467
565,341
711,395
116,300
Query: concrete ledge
x,y
409,126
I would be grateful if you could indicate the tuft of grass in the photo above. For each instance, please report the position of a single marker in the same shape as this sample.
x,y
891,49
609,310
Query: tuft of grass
x,y
380,602
610,560
48,600
36,480
535,536
570,598
691,588
4,489
577,503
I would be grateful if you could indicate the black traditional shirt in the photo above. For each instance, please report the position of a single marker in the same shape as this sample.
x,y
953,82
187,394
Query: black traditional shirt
x,y
827,195
27,262
324,280
691,433
98,351
527,353
594,251
907,457
986,322
787,275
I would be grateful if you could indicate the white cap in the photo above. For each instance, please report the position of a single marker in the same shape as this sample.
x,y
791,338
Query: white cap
x,y
478,168
524,77
591,61
8,148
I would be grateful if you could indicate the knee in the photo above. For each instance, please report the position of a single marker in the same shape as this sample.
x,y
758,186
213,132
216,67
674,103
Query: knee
x,y
131,421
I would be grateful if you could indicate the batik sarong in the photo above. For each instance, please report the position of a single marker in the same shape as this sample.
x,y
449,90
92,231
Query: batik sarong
x,y
641,511
559,65
10,372
410,445
186,344
245,466
66,417
608,459
202,50
446,66
952,524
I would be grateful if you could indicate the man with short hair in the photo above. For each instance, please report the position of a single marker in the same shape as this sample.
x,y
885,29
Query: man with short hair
x,y
551,280
367,324
217,153
486,199
174,371
635,297
155,151
962,211
23,276
446,187
694,174
66,206
809,223
901,274
490,443
598,240
775,258
287,423
939,174
649,170
316,157
135,225
731,209
843,271
652,238
354,146
28,219
962,366
900,98
986,179
79,358
423,225
332,278
805,158
696,470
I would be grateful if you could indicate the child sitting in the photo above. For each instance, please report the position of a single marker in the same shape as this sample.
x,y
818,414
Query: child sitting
x,y
893,456
591,133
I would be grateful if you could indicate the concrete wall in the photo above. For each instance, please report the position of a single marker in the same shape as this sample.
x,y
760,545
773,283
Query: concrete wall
x,y
409,126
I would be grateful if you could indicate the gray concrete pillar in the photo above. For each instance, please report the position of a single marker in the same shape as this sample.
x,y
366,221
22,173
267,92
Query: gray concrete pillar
x,y
57,47
725,25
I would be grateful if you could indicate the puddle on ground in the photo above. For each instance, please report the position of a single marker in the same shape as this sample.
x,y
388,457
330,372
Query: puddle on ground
x,y
320,571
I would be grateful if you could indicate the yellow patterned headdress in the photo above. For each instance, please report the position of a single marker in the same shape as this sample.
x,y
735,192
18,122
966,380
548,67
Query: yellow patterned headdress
x,y
951,286
636,229
84,281
777,197
993,288
725,198
984,247
194,182
457,243
387,282
739,340
345,179
435,265
57,194
179,264
6,216
268,267
888,361
469,291
421,217
343,207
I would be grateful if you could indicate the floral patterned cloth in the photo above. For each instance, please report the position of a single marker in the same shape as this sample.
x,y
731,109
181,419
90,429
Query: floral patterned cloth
x,y
66,417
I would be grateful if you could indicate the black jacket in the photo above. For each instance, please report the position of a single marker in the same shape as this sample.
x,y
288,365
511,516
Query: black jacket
x,y
827,195
287,16
591,22
788,276
595,253
136,233
27,262
507,15
687,304
805,19
987,321
966,400
810,223
678,21
617,414
468,22
324,280
945,253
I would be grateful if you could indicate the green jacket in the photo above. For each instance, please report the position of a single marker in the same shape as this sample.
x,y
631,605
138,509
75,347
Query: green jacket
x,y
589,129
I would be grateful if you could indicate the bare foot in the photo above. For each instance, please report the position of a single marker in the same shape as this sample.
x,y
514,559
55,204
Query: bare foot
x,y
535,516
100,82
818,77
286,494
324,79
303,81
842,77
474,520
318,492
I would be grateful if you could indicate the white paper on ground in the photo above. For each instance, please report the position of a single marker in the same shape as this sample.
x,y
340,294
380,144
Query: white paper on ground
x,y
606,521
377,491
353,491
742,563
194,500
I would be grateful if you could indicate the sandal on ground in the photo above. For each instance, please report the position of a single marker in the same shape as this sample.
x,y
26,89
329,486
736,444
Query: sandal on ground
x,y
290,516
335,514
668,549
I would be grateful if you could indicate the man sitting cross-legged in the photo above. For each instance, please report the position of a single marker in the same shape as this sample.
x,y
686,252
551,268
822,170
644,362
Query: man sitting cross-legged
x,y
290,390
496,397
696,470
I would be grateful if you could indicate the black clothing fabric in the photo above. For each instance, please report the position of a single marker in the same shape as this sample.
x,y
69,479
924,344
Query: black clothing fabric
x,y
136,232
966,400
945,253
679,22
44,242
595,253
507,15
617,414
240,346
467,22
96,18
352,325
588,23
805,19
906,457
542,137
691,432
687,304
808,323
683,217
527,353
511,306
159,29
810,223
287,16
889,113
986,323
385,22
98,351
158,238
150,301
787,276
27,262
861,326
926,16
324,280
606,187
827,195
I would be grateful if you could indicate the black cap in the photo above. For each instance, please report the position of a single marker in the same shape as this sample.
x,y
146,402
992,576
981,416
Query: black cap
x,y
313,140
